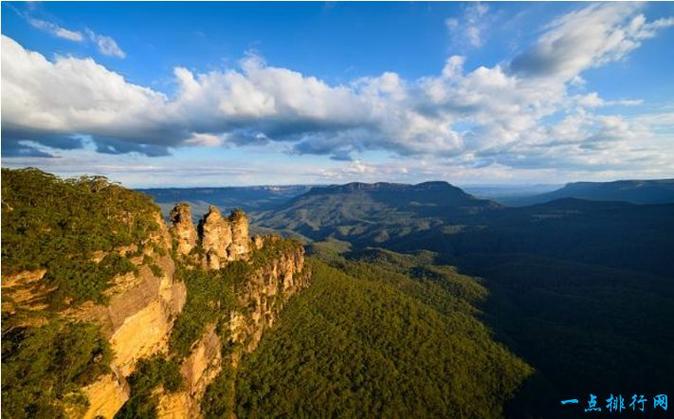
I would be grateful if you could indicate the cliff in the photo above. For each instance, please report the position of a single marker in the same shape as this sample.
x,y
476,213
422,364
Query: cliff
x,y
102,280
137,320
274,271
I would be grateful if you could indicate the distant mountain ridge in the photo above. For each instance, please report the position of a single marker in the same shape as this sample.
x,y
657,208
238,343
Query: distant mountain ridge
x,y
439,193
381,186
373,211
658,191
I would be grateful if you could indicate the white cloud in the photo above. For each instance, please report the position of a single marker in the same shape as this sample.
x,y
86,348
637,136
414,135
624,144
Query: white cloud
x,y
56,30
519,115
469,29
588,37
106,45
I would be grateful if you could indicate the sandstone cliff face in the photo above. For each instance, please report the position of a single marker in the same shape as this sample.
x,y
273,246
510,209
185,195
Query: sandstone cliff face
x,y
199,369
260,300
215,233
262,297
240,246
137,322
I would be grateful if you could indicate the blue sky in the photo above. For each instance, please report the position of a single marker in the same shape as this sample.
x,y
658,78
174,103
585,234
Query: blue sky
x,y
208,94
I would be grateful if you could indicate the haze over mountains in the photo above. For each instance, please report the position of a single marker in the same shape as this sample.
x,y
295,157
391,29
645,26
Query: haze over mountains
x,y
658,191
261,198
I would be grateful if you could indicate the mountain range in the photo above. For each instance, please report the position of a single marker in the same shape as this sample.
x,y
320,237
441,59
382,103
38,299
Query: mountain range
x,y
411,300
576,287
264,198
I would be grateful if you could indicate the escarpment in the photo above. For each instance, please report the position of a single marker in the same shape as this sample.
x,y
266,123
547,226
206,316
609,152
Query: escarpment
x,y
262,273
118,300
137,322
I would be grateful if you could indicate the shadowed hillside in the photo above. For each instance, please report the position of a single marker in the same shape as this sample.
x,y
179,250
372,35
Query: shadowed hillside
x,y
373,213
660,191
578,288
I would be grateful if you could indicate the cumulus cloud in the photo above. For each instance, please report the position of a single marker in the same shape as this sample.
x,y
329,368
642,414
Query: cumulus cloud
x,y
519,114
56,30
589,37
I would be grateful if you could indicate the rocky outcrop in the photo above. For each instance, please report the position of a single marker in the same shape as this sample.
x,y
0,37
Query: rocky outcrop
x,y
240,246
215,234
25,290
106,396
182,228
220,239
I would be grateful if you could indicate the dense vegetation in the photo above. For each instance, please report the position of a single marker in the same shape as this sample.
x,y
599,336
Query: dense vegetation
x,y
581,326
581,290
44,367
382,336
210,297
58,224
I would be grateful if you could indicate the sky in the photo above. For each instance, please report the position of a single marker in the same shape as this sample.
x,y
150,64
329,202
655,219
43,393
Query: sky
x,y
215,94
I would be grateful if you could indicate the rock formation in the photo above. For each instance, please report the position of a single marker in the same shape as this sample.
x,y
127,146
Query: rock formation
x,y
182,228
240,246
221,239
215,236
198,369
259,301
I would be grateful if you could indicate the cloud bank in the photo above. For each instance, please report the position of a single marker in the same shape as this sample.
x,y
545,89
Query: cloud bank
x,y
524,114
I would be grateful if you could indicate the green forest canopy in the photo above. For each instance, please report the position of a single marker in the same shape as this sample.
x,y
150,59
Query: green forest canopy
x,y
368,339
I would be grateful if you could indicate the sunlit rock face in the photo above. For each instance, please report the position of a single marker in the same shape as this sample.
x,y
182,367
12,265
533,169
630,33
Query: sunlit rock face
x,y
219,239
182,228
137,320
240,246
215,236
198,369
260,298
264,294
